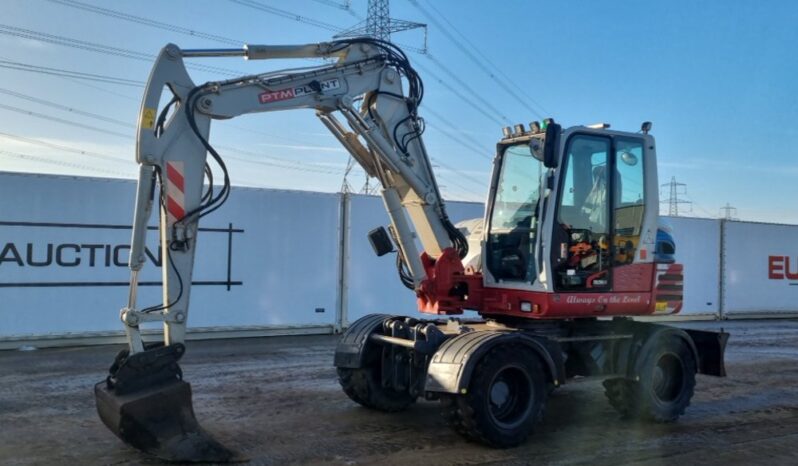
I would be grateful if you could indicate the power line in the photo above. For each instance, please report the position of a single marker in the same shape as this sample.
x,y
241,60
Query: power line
x,y
285,167
76,77
268,162
73,43
127,125
460,173
469,192
460,134
481,61
62,163
466,87
98,48
105,78
707,213
694,204
116,14
291,164
456,140
281,137
104,49
65,108
287,14
19,66
62,121
464,98
147,22
52,145
106,91
346,6
262,160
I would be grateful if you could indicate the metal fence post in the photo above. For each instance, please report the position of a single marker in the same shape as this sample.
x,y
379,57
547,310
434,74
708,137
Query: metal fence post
x,y
342,301
721,275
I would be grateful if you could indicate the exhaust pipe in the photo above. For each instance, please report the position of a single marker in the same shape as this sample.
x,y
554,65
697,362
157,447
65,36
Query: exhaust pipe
x,y
145,403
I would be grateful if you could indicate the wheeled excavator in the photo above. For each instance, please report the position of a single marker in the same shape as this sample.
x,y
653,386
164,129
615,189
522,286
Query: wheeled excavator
x,y
569,251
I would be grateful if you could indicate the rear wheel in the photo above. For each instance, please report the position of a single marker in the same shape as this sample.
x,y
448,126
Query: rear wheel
x,y
364,386
666,386
504,401
622,395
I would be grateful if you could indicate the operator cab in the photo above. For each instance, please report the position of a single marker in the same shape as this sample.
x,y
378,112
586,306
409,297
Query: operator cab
x,y
577,197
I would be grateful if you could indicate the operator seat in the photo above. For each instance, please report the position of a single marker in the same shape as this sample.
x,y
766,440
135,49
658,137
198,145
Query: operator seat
x,y
595,206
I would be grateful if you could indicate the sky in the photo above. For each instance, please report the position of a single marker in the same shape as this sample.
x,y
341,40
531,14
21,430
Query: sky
x,y
716,78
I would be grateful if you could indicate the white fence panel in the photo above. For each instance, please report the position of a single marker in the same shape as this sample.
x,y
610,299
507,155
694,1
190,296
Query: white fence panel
x,y
374,285
271,259
266,258
698,249
760,269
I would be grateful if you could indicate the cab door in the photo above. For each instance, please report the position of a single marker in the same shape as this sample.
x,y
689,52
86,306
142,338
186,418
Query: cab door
x,y
599,215
632,271
582,228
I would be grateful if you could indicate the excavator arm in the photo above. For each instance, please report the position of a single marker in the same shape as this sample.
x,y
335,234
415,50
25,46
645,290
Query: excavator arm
x,y
359,97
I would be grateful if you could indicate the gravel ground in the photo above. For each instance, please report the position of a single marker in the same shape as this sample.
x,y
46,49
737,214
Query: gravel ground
x,y
276,401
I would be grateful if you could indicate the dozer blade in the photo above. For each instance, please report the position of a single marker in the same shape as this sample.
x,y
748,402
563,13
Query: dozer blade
x,y
153,412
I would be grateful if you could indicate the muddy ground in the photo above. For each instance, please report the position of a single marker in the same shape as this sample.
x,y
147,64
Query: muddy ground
x,y
276,400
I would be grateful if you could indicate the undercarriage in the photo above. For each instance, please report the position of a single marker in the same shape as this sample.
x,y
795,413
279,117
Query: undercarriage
x,y
492,377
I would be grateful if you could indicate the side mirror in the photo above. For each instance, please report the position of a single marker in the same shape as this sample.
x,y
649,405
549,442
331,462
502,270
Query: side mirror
x,y
551,143
380,241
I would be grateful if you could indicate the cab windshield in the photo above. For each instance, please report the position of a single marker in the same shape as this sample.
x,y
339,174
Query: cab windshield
x,y
513,223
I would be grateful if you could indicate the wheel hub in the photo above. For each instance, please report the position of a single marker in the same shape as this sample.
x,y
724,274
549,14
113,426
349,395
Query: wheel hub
x,y
510,397
499,394
668,378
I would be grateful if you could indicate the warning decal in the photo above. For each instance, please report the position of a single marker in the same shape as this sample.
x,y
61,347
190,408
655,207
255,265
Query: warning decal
x,y
148,118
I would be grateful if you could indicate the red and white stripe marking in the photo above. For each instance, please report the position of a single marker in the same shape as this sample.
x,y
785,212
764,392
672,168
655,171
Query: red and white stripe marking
x,y
669,292
175,192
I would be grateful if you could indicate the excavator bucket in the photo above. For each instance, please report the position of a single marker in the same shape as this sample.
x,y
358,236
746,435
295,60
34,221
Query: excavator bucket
x,y
145,403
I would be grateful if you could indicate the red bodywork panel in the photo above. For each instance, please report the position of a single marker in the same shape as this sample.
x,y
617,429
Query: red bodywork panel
x,y
638,289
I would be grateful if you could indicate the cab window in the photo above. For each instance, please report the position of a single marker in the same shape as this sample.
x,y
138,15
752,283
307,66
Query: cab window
x,y
513,222
583,214
629,198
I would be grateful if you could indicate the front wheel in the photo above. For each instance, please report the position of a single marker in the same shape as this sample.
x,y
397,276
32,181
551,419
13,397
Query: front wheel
x,y
364,386
504,401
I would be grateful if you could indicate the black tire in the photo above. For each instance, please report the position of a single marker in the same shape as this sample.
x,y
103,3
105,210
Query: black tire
x,y
622,396
666,386
505,399
364,386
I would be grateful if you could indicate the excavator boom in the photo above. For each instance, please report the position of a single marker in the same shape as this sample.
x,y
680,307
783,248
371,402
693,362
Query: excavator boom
x,y
144,399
